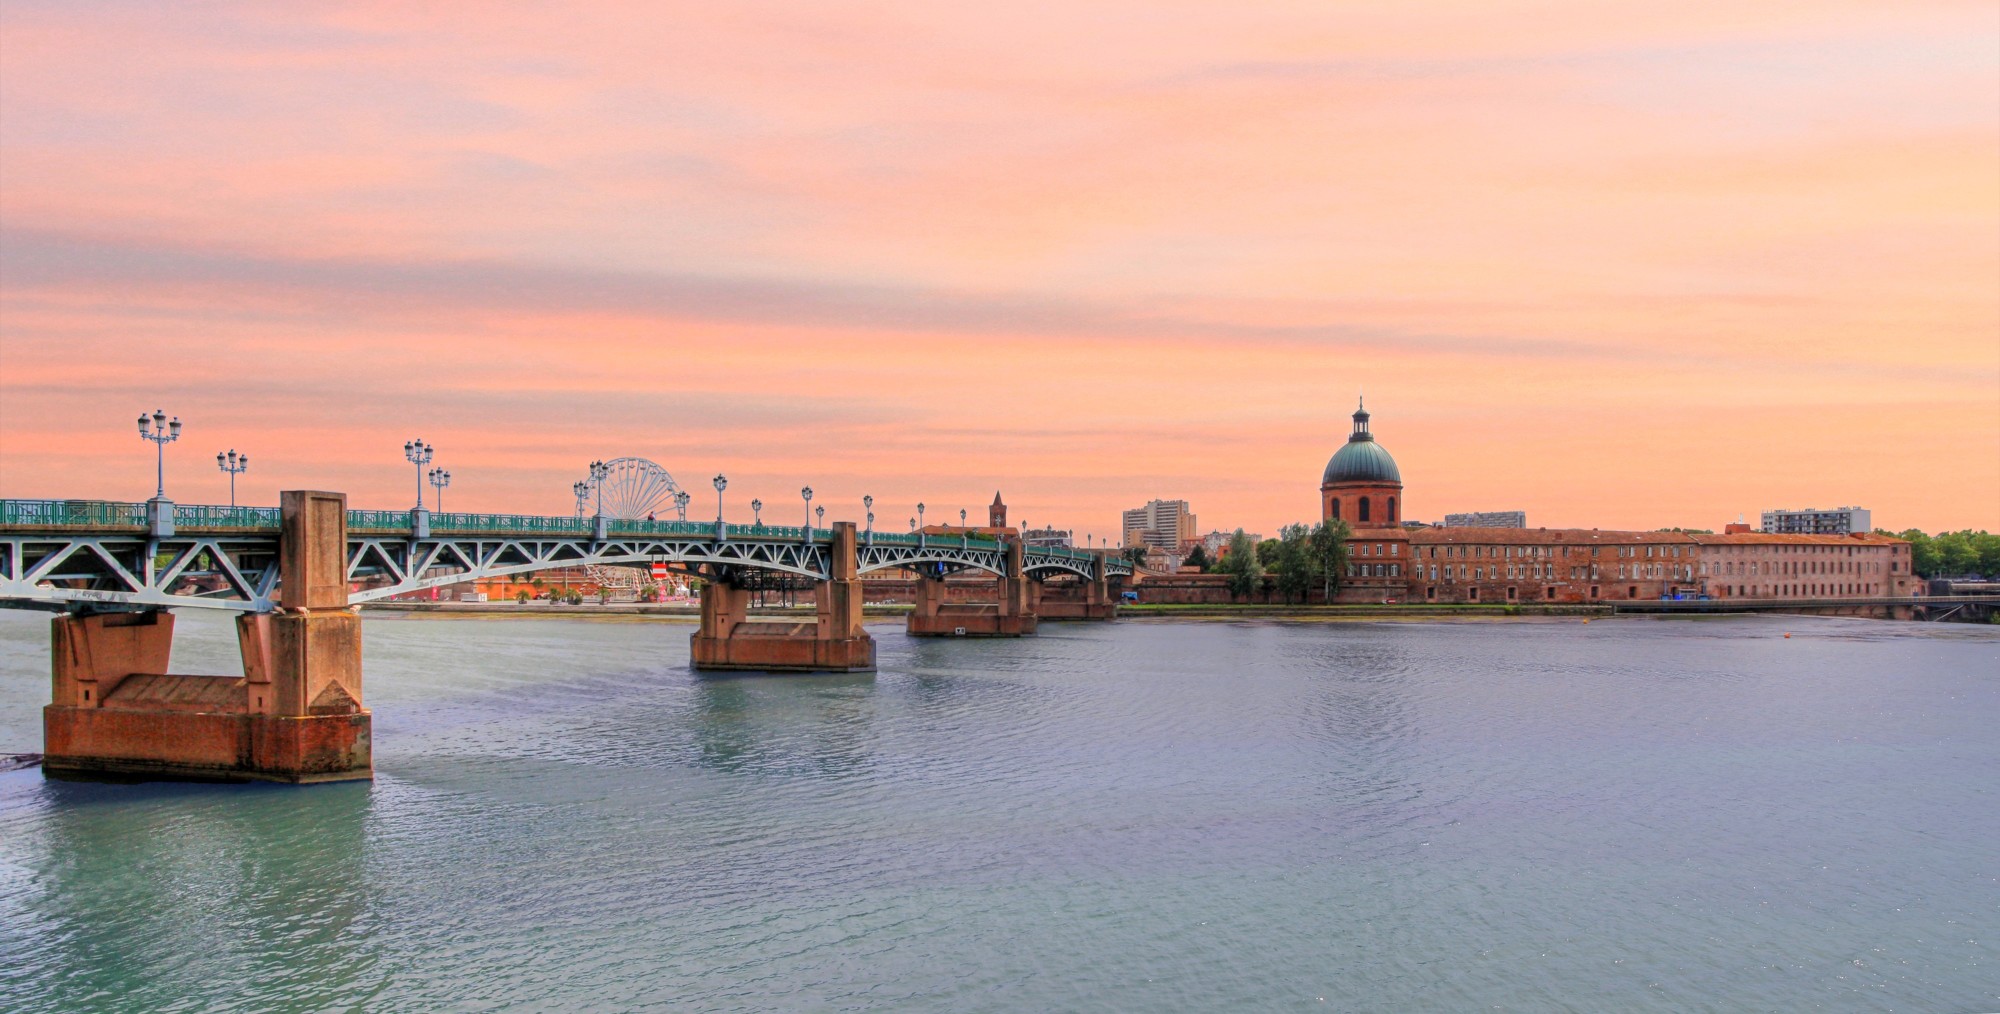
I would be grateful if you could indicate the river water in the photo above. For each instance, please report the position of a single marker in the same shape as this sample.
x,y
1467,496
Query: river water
x,y
1669,815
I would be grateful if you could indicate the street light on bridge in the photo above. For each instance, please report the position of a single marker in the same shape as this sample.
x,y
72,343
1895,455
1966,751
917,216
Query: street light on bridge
x,y
156,429
681,499
721,483
418,453
440,478
598,470
582,491
820,512
807,493
757,510
235,465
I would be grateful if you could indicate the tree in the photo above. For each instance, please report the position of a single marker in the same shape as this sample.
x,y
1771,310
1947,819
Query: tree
x,y
1239,561
1135,555
1293,562
1198,559
1267,552
1327,547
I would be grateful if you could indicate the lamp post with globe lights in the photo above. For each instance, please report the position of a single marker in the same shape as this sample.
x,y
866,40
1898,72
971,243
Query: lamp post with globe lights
x,y
582,491
157,429
418,453
160,510
807,493
681,503
721,482
757,513
439,479
235,464
868,507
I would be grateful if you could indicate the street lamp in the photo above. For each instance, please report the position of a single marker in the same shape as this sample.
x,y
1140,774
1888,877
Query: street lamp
x,y
582,491
235,464
598,470
721,483
161,433
439,480
418,453
757,509
961,517
820,512
807,493
681,503
920,515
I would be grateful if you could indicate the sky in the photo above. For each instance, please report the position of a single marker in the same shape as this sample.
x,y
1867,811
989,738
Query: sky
x,y
1616,264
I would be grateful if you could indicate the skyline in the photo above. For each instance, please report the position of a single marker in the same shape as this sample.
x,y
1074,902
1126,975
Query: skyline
x,y
1611,271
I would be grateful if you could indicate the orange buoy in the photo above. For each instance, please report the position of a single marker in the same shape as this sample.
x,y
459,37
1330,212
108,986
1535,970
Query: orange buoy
x,y
1788,635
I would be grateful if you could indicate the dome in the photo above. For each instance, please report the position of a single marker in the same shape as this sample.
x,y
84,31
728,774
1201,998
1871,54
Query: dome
x,y
1362,460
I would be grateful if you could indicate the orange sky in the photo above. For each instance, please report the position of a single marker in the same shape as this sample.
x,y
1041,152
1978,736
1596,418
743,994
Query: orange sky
x,y
1616,264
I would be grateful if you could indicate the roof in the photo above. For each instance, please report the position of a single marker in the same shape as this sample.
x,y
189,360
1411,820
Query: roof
x,y
1775,539
1361,459
1456,535
1612,537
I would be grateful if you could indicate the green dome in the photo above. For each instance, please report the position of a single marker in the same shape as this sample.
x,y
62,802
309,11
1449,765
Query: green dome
x,y
1362,460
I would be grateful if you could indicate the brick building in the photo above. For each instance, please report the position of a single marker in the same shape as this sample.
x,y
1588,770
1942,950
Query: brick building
x,y
1391,563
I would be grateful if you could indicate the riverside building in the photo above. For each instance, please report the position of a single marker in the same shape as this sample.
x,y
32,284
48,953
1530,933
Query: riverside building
x,y
1464,563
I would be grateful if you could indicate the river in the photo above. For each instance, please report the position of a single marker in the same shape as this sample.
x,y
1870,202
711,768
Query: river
x,y
1628,814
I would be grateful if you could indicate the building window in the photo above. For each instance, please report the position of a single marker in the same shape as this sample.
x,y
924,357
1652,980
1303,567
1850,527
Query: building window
x,y
1363,515
1391,515
1333,508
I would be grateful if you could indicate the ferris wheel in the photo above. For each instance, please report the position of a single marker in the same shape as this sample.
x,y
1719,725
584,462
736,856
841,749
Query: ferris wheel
x,y
634,488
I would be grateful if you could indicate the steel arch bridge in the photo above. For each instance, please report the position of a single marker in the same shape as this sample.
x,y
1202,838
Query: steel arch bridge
x,y
59,554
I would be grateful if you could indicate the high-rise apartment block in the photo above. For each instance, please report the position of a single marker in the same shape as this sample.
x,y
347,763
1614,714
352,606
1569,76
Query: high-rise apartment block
x,y
1840,521
1487,519
1165,525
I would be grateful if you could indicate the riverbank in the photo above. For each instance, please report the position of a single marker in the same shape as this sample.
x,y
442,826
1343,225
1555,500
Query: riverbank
x,y
689,611
1261,611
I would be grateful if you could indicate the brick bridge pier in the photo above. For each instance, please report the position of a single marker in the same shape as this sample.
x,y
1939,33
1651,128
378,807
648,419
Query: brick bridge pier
x,y
833,642
295,715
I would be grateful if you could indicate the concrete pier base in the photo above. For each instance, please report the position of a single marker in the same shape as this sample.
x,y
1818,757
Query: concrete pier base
x,y
1011,616
729,640
295,714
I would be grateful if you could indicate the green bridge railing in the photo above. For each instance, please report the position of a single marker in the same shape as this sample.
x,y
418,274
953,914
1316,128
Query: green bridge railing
x,y
104,514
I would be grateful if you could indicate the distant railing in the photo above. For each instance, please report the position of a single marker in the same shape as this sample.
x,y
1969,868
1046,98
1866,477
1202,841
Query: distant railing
x,y
225,517
107,514
72,513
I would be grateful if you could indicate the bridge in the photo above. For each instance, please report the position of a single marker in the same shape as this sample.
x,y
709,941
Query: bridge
x,y
294,574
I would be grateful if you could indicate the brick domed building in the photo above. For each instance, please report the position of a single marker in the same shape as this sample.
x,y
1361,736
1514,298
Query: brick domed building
x,y
1363,487
1361,484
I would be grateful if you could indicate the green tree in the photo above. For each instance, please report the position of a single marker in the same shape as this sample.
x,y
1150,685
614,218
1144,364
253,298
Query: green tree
x,y
1328,549
1198,559
1135,555
1267,552
1293,562
1239,561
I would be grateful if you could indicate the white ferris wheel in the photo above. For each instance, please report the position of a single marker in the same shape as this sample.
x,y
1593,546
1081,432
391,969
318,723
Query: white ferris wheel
x,y
634,489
